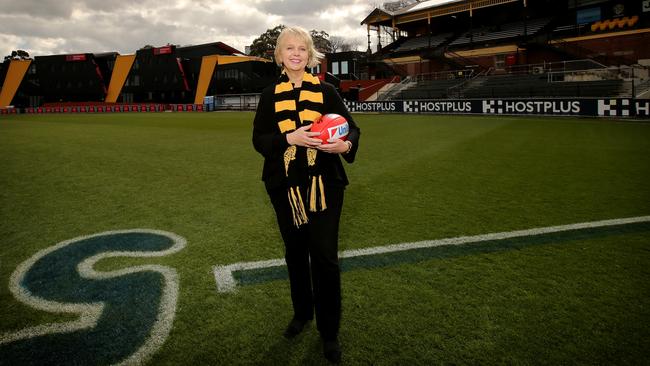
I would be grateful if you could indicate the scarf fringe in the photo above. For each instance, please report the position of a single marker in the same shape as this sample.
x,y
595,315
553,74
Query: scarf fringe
x,y
316,191
322,194
297,206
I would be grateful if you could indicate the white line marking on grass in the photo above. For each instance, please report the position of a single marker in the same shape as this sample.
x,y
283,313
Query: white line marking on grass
x,y
89,313
223,274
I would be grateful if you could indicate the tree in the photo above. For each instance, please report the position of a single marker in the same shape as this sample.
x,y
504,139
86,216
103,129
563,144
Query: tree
x,y
340,44
347,47
321,41
336,43
17,55
264,45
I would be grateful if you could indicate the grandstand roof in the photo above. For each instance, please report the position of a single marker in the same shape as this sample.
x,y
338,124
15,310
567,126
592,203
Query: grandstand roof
x,y
427,9
427,5
219,46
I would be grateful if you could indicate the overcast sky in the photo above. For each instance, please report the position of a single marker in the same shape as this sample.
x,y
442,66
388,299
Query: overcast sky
x,y
46,27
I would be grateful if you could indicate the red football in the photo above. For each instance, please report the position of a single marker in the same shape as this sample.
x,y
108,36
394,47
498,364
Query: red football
x,y
331,126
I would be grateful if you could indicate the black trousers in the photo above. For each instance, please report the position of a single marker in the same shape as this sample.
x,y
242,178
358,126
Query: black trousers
x,y
311,252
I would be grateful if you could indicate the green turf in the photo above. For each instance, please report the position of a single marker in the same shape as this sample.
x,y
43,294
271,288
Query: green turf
x,y
583,301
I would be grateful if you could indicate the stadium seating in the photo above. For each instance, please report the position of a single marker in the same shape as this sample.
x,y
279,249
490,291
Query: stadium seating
x,y
521,86
505,31
511,86
428,89
423,42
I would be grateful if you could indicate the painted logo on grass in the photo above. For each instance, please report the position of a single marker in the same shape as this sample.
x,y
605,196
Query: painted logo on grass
x,y
122,316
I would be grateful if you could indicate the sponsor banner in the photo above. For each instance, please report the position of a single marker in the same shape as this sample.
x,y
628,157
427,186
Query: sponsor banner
x,y
187,107
642,108
79,57
613,107
162,50
384,107
99,109
557,107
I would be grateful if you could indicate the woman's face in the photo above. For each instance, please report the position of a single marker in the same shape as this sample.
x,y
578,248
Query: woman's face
x,y
294,53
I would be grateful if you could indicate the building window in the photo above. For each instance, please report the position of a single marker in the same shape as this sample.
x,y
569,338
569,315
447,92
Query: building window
x,y
127,97
315,70
344,67
499,62
335,68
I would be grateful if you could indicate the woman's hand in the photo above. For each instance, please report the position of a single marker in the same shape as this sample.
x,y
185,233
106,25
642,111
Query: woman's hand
x,y
303,137
337,146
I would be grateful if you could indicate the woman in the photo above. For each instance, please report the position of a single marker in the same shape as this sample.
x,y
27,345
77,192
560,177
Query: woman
x,y
305,180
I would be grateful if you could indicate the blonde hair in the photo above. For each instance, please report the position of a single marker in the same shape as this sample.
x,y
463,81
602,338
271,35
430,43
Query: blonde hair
x,y
313,55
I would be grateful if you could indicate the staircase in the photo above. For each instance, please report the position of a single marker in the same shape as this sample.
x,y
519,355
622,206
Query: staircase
x,y
395,89
458,91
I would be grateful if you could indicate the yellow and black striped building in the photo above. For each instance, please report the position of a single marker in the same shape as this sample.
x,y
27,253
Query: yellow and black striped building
x,y
167,74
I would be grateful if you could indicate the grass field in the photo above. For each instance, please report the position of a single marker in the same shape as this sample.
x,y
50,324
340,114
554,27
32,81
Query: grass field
x,y
578,300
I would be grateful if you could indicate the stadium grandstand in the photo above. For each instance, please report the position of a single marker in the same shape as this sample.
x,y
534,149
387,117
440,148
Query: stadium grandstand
x,y
512,48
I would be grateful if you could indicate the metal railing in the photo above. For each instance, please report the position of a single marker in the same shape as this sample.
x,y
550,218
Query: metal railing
x,y
544,67
577,78
237,102
445,75
395,89
456,91
626,73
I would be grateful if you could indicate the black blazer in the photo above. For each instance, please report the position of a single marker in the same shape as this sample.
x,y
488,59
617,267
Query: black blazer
x,y
269,142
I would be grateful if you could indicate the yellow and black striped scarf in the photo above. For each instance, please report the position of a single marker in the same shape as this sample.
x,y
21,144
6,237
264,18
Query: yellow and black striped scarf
x,y
291,114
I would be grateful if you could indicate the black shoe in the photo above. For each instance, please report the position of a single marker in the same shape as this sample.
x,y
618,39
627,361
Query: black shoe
x,y
332,351
295,327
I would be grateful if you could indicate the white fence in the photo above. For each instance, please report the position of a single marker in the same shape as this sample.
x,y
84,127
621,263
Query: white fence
x,y
238,102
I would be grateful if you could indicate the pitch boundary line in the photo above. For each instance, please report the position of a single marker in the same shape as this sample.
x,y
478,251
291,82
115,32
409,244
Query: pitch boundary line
x,y
225,280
